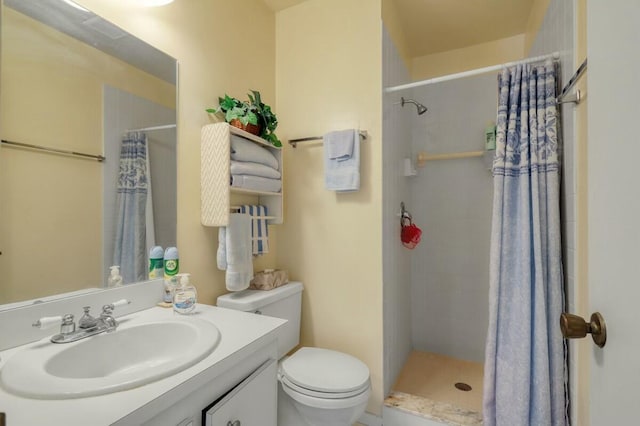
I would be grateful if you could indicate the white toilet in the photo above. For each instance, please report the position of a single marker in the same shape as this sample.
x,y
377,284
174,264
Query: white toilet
x,y
318,387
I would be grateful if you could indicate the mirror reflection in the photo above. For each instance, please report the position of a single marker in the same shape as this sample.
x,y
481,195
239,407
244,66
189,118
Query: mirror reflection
x,y
72,81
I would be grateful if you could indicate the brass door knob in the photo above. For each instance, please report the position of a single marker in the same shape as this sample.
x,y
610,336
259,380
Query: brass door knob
x,y
575,327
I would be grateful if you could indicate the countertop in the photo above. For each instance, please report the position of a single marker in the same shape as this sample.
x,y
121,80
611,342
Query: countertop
x,y
241,334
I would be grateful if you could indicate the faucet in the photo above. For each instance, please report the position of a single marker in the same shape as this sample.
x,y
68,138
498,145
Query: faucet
x,y
87,325
107,320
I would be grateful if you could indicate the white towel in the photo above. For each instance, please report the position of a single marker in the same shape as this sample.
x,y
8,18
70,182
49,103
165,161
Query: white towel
x,y
234,252
256,183
342,173
339,145
259,229
244,150
254,169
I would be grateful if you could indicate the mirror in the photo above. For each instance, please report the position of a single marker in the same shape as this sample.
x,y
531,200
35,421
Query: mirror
x,y
72,81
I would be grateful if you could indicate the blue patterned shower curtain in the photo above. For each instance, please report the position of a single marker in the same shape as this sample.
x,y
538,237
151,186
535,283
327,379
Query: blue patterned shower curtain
x,y
130,243
524,382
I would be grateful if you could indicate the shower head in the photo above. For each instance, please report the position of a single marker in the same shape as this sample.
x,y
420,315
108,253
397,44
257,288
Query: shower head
x,y
421,108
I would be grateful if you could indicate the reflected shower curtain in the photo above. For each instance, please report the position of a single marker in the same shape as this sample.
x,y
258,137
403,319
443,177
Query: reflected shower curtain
x,y
130,250
524,382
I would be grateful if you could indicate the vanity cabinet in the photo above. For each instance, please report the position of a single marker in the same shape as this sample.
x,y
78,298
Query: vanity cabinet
x,y
246,392
217,197
253,402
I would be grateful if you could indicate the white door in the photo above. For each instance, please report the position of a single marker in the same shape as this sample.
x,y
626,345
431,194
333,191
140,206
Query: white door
x,y
613,40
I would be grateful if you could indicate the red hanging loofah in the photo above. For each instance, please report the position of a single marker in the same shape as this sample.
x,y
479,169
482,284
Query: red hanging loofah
x,y
410,234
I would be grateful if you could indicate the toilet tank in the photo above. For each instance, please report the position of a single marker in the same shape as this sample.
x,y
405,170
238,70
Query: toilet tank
x,y
282,302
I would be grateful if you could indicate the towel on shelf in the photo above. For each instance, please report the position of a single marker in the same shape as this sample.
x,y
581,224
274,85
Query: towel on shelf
x,y
253,169
259,229
256,183
234,252
342,173
244,150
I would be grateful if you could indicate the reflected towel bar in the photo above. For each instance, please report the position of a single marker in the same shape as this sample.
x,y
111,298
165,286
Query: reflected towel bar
x,y
99,158
294,142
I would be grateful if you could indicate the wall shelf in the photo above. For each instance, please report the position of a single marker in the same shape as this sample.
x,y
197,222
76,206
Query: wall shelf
x,y
217,196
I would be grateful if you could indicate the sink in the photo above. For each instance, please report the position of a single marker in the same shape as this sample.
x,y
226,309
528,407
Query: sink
x,y
131,356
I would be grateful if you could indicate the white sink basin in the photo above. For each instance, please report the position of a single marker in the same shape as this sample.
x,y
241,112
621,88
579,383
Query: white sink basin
x,y
131,356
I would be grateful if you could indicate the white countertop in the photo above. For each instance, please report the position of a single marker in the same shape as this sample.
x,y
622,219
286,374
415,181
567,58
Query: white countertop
x,y
241,334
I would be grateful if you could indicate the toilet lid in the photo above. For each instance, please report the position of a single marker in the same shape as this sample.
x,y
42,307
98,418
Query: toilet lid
x,y
324,370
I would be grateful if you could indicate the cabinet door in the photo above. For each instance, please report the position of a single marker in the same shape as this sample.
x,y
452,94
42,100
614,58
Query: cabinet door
x,y
253,402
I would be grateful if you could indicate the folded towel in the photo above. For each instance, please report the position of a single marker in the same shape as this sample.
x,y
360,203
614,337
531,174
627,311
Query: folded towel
x,y
342,174
244,150
254,169
236,252
256,183
259,229
339,145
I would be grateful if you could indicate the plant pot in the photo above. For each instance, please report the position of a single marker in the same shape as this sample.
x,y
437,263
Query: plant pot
x,y
250,128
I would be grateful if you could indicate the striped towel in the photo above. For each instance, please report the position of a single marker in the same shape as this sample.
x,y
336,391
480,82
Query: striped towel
x,y
259,229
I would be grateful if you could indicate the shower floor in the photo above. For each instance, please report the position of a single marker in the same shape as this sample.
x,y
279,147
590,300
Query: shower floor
x,y
426,388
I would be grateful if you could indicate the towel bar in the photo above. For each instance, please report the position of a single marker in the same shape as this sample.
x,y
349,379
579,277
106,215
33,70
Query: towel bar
x,y
294,142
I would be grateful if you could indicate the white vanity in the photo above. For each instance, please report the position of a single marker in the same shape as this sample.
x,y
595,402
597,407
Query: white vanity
x,y
235,384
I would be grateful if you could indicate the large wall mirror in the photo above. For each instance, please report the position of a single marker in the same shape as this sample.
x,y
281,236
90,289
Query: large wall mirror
x,y
72,81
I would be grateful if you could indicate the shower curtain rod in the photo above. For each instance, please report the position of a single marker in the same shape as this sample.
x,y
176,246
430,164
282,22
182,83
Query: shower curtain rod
x,y
478,71
148,129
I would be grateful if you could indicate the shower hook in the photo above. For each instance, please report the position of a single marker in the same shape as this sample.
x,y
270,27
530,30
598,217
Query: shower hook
x,y
404,215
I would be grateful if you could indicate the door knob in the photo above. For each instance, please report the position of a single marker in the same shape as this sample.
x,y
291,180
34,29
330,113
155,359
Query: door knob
x,y
575,327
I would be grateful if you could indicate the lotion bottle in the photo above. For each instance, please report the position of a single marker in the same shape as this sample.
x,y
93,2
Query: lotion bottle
x,y
185,295
115,279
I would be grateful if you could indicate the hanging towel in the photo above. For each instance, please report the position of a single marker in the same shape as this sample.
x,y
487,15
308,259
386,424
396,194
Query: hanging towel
x,y
234,252
342,172
259,229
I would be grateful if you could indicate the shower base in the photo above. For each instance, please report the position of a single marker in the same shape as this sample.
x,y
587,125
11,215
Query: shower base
x,y
433,390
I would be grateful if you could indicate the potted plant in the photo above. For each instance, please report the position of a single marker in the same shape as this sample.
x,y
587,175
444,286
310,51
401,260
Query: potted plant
x,y
252,116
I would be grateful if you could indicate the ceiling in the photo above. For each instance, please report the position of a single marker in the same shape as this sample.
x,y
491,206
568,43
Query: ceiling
x,y
433,26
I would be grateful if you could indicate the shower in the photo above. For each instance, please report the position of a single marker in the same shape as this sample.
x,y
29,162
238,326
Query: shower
x,y
421,108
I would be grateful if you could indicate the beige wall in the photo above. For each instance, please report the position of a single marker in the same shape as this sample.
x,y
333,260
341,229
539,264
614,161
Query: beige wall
x,y
536,16
468,58
329,77
221,47
395,29
52,209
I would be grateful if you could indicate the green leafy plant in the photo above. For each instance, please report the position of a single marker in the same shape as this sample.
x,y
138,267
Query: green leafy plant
x,y
266,117
251,112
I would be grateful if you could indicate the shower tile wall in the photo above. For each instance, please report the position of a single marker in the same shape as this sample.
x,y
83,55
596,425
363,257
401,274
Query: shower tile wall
x,y
396,263
452,202
557,35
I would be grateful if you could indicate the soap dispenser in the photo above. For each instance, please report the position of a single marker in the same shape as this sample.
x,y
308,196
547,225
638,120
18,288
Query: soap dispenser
x,y
115,280
185,295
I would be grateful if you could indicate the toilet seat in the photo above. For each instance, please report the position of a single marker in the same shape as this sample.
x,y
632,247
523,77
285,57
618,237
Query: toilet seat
x,y
323,373
328,403
317,394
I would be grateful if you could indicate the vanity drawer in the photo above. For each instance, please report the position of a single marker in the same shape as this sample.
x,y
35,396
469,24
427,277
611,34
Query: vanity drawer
x,y
253,402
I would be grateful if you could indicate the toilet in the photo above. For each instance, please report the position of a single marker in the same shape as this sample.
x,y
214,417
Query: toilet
x,y
317,387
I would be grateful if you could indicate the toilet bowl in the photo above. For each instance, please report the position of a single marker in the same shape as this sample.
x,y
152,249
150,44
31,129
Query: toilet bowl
x,y
316,387
325,387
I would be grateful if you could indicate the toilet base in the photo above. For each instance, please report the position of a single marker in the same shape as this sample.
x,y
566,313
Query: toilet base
x,y
288,414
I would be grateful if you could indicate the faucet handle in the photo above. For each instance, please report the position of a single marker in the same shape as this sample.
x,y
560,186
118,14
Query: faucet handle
x,y
66,323
121,302
47,322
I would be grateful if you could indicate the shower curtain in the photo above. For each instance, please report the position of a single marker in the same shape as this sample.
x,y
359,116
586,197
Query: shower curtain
x,y
130,250
525,365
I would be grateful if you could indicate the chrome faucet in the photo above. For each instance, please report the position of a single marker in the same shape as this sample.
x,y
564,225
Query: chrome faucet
x,y
87,325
